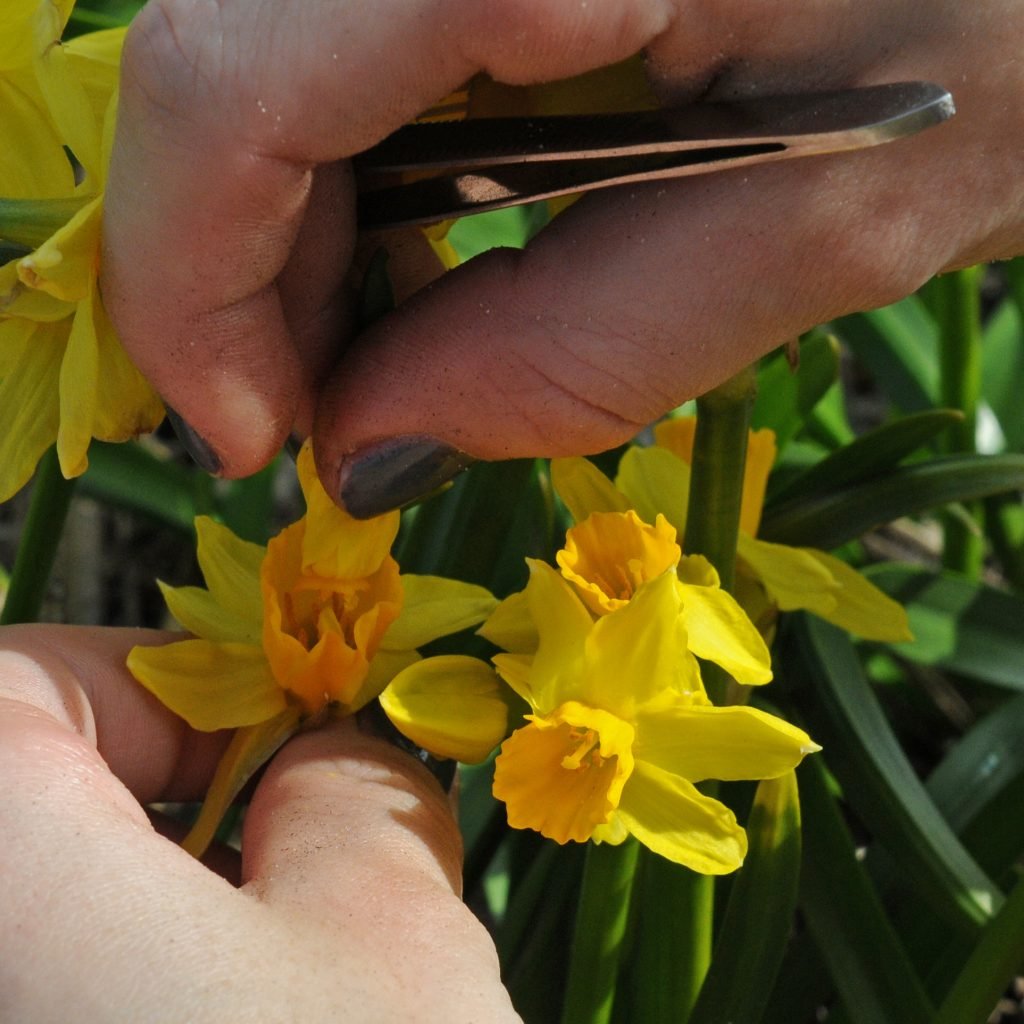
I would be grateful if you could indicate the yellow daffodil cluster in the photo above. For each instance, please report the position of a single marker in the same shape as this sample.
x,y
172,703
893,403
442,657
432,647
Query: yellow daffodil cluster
x,y
769,577
316,625
620,730
63,374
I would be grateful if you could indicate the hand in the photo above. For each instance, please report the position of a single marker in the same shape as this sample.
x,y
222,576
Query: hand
x,y
230,226
347,908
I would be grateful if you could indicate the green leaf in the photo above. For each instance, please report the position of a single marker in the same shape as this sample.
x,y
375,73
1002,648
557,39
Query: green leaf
x,y
865,958
958,625
829,520
1002,370
130,477
874,452
759,915
899,344
785,396
821,668
995,959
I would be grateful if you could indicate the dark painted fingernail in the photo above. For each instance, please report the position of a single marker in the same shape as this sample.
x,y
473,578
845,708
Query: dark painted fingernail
x,y
199,451
393,473
373,721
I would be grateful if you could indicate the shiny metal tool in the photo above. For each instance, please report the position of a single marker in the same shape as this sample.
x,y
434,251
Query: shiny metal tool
x,y
428,172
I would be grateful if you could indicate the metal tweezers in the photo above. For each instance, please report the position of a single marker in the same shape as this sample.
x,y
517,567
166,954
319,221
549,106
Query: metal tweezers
x,y
429,172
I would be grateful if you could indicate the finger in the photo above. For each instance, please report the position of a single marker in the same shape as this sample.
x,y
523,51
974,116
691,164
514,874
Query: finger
x,y
223,115
69,685
636,299
354,838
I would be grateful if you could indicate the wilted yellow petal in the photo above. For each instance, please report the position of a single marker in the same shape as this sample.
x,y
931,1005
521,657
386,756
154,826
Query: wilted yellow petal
x,y
610,555
861,608
585,489
212,686
250,748
672,818
451,705
434,606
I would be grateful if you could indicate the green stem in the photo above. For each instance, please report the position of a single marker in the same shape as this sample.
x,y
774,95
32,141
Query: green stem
x,y
957,301
601,918
51,498
716,488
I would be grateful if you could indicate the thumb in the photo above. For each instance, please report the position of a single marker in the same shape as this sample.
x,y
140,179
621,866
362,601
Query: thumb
x,y
355,840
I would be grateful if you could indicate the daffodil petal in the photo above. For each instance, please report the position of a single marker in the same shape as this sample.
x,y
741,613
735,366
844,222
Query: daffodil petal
x,y
231,567
334,544
250,748
792,577
703,742
676,434
29,403
861,608
672,818
761,453
64,266
718,630
511,627
654,480
434,607
515,670
564,624
78,392
211,686
633,654
32,161
384,666
451,705
200,613
585,489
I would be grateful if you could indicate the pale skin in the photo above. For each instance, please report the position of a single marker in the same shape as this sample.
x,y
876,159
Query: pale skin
x,y
229,225
343,905
229,232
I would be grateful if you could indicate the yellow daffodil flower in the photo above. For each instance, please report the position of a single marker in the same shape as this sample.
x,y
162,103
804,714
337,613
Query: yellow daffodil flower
x,y
318,623
769,577
620,730
63,374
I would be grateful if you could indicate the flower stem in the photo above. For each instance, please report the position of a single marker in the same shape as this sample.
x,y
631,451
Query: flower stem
x,y
716,487
600,929
51,498
957,301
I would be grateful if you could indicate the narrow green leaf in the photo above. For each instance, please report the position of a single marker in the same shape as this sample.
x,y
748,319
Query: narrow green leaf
x,y
870,454
958,625
1002,370
852,931
672,951
599,932
995,959
829,520
759,915
899,345
821,668
786,395
130,477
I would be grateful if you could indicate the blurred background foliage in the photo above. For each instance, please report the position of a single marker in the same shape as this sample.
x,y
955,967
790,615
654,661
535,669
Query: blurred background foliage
x,y
889,890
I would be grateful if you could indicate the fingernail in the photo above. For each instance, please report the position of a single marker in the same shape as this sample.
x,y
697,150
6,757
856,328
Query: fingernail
x,y
393,473
199,451
373,721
